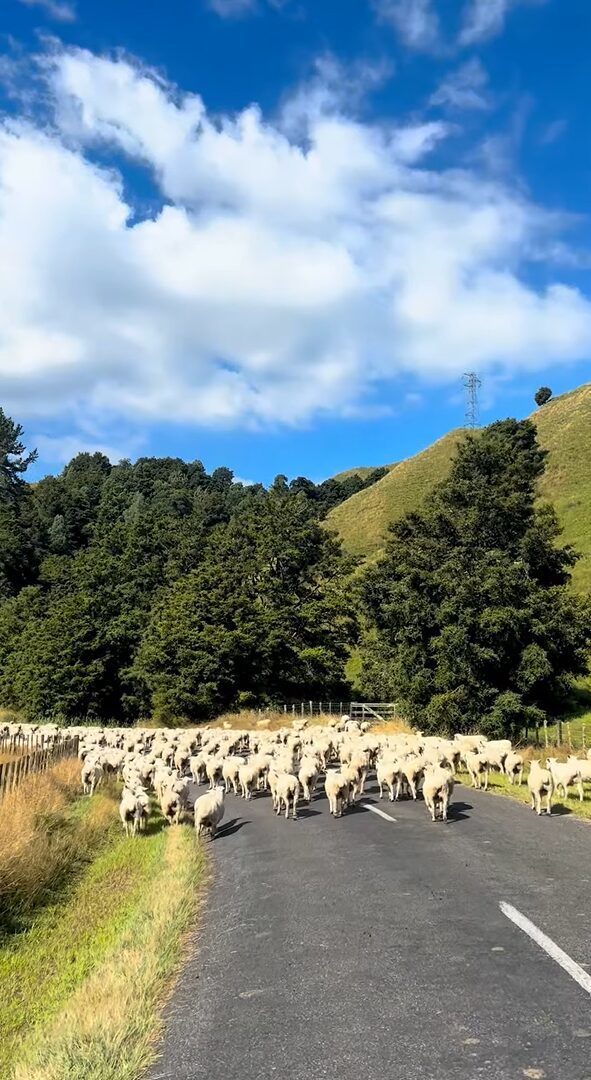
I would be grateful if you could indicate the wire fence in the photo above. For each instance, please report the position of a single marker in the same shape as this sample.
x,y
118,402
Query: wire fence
x,y
28,761
357,710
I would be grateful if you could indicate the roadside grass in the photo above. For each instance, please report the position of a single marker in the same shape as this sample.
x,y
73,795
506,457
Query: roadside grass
x,y
80,991
48,833
498,784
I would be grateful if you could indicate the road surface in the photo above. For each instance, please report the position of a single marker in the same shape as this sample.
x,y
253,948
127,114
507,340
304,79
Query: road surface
x,y
372,947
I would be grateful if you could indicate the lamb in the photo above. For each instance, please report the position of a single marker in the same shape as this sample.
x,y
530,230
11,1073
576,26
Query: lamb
x,y
91,776
286,789
247,777
337,791
209,811
565,773
540,782
438,785
514,767
477,766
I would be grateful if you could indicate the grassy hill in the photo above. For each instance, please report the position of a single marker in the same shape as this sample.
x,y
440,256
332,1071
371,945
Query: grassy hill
x,y
362,470
564,427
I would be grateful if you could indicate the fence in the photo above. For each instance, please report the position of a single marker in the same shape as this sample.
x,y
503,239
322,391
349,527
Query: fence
x,y
560,734
358,710
32,760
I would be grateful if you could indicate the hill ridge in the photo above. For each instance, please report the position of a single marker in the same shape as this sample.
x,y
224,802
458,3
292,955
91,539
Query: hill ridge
x,y
564,429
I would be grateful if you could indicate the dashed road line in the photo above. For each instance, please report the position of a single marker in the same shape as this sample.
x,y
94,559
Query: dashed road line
x,y
550,947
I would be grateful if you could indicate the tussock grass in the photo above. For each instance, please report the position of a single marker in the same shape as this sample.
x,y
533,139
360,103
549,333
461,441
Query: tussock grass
x,y
124,930
46,837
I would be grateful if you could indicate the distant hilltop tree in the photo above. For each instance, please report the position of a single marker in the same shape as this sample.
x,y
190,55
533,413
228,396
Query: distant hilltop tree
x,y
542,395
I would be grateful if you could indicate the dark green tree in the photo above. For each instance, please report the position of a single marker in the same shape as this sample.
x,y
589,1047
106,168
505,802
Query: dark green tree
x,y
265,614
472,624
14,459
542,395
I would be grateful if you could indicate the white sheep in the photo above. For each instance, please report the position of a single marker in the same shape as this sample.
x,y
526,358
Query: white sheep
x,y
514,767
438,785
477,765
540,782
91,776
308,776
337,791
209,811
286,791
230,769
565,773
387,772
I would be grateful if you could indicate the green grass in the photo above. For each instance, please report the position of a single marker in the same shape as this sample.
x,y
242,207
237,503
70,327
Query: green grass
x,y
362,470
564,427
362,521
80,990
498,784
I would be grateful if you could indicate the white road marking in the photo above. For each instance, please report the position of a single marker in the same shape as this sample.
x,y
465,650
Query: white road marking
x,y
554,951
376,810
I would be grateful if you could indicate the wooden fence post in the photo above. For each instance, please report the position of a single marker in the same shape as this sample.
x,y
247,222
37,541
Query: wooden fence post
x,y
568,734
583,733
545,733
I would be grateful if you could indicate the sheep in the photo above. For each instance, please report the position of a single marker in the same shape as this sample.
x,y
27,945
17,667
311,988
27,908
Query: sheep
x,y
565,773
387,771
514,767
287,788
230,769
477,766
308,776
337,791
540,782
209,811
91,776
213,770
132,809
247,778
411,769
438,785
174,800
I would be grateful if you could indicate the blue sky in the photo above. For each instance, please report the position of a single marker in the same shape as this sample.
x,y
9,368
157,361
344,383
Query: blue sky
x,y
273,234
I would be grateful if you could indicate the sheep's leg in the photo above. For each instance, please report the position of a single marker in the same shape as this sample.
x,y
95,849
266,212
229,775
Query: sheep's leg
x,y
413,788
294,808
538,802
391,790
548,803
580,789
363,779
486,779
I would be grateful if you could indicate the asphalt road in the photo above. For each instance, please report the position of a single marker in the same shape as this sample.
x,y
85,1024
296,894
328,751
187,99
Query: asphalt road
x,y
368,947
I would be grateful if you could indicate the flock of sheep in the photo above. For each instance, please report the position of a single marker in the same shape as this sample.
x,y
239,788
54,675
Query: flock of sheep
x,y
290,763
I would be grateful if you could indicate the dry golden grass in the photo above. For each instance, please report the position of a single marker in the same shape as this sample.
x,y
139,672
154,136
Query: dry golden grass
x,y
44,838
106,1029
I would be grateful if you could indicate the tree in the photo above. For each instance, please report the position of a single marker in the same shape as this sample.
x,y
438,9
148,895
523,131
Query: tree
x,y
265,614
471,621
542,395
14,461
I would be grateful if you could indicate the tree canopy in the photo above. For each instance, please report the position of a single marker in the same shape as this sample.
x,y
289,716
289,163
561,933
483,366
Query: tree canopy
x,y
471,622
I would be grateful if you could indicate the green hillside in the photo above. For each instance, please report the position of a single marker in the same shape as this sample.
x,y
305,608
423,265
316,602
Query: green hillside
x,y
362,470
564,427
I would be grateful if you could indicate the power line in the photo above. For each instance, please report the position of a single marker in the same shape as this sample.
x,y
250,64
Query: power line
x,y
472,385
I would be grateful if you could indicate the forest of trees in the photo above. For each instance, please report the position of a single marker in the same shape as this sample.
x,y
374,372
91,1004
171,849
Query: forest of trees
x,y
155,589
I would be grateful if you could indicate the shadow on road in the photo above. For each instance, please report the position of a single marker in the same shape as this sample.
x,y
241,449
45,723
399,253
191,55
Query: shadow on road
x,y
232,826
306,812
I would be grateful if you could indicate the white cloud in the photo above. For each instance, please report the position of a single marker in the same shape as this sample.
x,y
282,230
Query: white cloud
x,y
415,21
280,279
464,88
60,10
59,449
553,131
484,19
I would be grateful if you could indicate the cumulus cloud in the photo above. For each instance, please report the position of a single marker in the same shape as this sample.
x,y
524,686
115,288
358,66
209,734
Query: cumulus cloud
x,y
464,88
415,21
60,10
281,276
484,19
